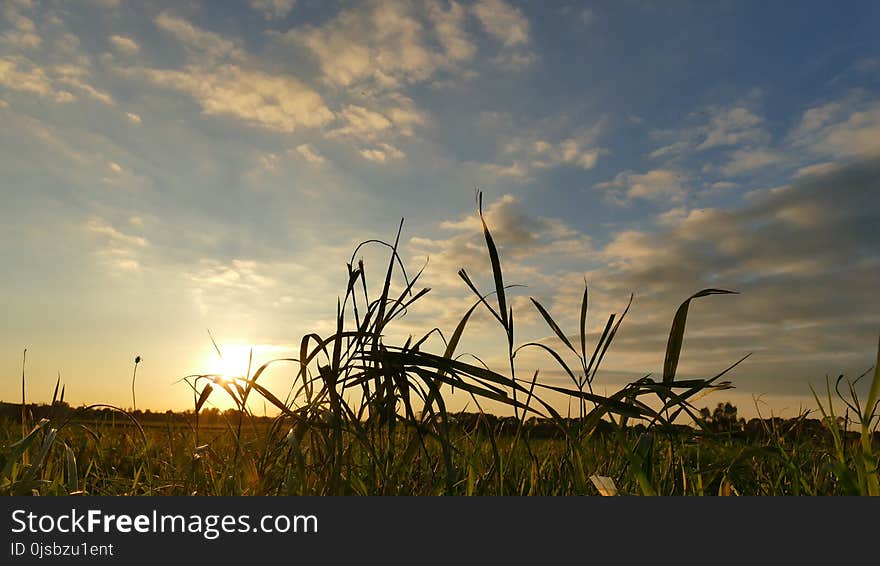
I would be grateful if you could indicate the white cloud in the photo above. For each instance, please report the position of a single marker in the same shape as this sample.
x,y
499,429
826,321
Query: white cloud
x,y
133,118
503,22
103,228
382,153
21,74
656,185
310,154
747,160
225,81
23,34
449,28
511,28
124,44
273,9
816,169
732,126
717,127
848,128
570,151
385,44
361,122
76,77
208,44
523,155
275,102
118,250
515,170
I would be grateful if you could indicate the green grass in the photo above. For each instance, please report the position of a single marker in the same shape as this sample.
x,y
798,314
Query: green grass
x,y
369,417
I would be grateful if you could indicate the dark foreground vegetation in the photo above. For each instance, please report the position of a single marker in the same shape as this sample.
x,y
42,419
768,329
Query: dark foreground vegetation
x,y
367,417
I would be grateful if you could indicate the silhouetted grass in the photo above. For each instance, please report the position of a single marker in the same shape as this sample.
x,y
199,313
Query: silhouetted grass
x,y
365,416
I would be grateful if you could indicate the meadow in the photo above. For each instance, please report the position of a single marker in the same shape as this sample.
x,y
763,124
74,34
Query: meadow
x,y
369,417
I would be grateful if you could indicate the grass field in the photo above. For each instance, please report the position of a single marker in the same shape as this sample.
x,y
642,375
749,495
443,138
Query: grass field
x,y
367,417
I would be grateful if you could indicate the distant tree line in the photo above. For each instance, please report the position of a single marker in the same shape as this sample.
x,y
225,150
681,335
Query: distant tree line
x,y
723,419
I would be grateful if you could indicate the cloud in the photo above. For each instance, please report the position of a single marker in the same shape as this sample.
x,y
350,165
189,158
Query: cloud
x,y
76,76
521,156
381,42
133,118
503,22
19,73
382,153
387,44
310,154
717,127
207,44
511,28
118,250
273,9
449,26
279,102
656,185
361,122
731,126
803,256
124,45
747,160
848,128
520,236
275,102
23,34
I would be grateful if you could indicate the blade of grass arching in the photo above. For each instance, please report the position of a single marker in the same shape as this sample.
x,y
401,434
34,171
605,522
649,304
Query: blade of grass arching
x,y
269,396
48,442
583,325
451,345
496,265
700,387
23,404
18,449
555,355
868,415
676,333
552,324
610,338
206,392
72,474
55,393
831,423
522,418
386,286
399,307
407,291
214,342
459,330
470,388
87,408
598,347
607,403
466,278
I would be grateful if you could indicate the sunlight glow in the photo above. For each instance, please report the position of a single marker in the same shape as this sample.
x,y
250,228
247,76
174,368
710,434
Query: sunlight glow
x,y
234,361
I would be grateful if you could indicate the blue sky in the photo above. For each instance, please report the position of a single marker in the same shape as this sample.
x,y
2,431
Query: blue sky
x,y
176,167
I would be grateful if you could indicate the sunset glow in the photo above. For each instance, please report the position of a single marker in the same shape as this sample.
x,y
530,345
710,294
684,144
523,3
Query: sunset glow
x,y
170,167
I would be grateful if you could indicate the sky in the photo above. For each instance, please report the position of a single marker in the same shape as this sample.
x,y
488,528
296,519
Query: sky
x,y
174,168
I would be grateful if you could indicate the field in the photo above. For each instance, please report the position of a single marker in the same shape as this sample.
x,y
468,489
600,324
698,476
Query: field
x,y
396,437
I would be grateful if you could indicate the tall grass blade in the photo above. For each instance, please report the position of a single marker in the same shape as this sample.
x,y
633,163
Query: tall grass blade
x,y
676,333
496,265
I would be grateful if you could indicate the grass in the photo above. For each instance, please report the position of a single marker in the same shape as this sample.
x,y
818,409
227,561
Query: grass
x,y
369,417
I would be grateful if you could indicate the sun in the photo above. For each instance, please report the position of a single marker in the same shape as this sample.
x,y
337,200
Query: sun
x,y
231,363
